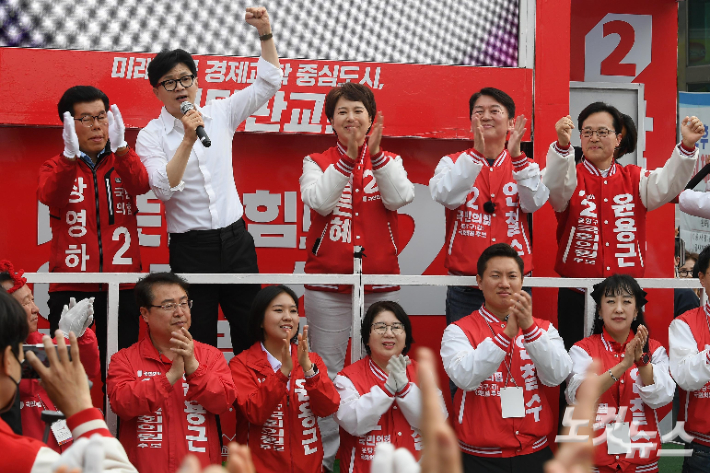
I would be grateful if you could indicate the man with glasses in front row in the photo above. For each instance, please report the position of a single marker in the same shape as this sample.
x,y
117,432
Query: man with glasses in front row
x,y
601,205
196,180
168,389
91,191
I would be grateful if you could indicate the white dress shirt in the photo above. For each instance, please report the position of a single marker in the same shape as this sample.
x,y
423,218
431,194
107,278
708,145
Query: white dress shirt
x,y
207,197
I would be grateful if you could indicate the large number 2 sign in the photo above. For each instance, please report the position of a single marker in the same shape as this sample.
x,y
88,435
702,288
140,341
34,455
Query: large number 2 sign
x,y
618,48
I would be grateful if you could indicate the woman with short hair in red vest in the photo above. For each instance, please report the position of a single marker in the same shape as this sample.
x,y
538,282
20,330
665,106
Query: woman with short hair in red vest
x,y
379,397
281,388
635,380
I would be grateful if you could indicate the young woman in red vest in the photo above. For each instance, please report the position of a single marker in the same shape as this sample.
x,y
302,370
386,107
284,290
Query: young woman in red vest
x,y
379,398
281,388
635,380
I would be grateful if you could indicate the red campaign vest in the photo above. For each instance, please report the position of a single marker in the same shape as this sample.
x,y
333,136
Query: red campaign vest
x,y
90,237
695,405
478,419
603,229
331,238
160,440
470,229
602,347
290,439
356,453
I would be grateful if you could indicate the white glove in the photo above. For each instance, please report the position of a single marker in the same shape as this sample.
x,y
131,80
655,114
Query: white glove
x,y
116,129
87,454
389,460
77,317
397,366
71,141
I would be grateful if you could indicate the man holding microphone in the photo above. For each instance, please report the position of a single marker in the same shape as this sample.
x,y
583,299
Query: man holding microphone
x,y
195,180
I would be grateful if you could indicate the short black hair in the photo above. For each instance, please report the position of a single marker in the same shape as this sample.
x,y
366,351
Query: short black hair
x,y
493,251
13,323
258,309
628,142
376,309
165,60
619,285
497,95
598,107
701,265
353,92
5,276
79,94
144,287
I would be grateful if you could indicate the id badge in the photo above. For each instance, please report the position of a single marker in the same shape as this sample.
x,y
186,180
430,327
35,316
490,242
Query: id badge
x,y
61,432
512,402
618,438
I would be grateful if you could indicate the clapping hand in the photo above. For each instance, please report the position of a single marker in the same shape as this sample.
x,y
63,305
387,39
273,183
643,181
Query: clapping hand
x,y
77,317
116,129
71,140
303,359
479,141
376,135
516,135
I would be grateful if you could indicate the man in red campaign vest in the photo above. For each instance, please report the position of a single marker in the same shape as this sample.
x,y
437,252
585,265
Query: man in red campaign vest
x,y
498,357
487,190
168,389
601,206
91,191
689,352
354,190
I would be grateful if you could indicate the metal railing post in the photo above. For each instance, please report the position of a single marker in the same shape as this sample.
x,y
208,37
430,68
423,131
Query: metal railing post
x,y
589,311
112,347
358,306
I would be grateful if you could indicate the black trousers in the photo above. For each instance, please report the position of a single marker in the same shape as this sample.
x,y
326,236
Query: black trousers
x,y
227,250
128,317
570,316
570,325
531,463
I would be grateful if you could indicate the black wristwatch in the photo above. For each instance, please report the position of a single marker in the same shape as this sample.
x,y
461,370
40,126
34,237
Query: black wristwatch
x,y
645,359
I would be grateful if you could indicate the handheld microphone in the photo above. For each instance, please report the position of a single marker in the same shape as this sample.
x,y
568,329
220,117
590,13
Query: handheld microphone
x,y
201,134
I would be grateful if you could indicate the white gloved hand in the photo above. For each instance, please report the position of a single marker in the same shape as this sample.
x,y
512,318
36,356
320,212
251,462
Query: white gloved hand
x,y
116,129
397,367
391,383
77,317
71,141
389,460
85,453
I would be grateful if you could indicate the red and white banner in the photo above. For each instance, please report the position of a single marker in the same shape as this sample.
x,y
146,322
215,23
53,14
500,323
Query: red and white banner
x,y
417,100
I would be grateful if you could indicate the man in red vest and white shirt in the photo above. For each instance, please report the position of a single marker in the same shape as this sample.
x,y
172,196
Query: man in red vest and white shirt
x,y
91,191
487,190
499,357
689,352
354,190
168,389
601,206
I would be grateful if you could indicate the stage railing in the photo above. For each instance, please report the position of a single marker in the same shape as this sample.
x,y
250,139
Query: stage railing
x,y
357,280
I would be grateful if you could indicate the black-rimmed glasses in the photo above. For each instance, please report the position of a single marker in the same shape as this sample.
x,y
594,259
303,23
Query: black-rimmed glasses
x,y
171,84
88,120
